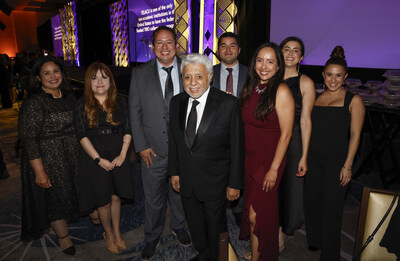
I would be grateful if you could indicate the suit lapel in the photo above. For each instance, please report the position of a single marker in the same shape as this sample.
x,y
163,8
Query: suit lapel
x,y
180,75
182,117
157,84
217,76
208,114
242,79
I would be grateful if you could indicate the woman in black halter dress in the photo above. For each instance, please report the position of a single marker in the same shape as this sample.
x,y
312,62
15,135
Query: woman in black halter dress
x,y
291,213
338,118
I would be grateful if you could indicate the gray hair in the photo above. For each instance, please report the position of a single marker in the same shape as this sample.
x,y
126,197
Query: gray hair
x,y
197,58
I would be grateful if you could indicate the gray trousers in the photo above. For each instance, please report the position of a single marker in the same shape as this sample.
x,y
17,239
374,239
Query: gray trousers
x,y
157,190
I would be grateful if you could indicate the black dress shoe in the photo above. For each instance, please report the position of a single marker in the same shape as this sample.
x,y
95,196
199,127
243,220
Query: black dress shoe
x,y
238,218
149,249
312,249
69,251
183,237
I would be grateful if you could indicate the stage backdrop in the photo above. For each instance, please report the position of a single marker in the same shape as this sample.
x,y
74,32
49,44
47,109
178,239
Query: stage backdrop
x,y
368,30
57,36
144,16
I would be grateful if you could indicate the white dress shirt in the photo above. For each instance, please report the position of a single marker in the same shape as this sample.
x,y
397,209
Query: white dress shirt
x,y
174,75
199,108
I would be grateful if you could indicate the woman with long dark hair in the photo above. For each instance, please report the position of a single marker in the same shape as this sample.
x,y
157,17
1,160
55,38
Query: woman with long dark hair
x,y
268,113
102,123
337,117
49,155
291,214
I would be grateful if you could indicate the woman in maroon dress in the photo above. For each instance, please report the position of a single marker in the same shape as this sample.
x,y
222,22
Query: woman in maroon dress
x,y
268,114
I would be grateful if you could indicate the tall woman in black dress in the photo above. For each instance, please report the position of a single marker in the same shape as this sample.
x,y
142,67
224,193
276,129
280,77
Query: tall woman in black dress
x,y
337,117
49,155
291,212
102,124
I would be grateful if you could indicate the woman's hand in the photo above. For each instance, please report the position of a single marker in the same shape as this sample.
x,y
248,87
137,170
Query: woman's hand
x,y
270,180
302,168
117,162
42,180
106,164
345,176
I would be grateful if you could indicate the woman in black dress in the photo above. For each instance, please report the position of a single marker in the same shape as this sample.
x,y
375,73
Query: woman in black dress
x,y
102,123
49,155
291,213
337,117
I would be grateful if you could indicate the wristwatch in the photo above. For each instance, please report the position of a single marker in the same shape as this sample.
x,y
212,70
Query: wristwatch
x,y
97,160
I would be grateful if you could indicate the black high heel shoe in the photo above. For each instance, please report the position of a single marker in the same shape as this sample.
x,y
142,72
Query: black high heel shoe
x,y
69,250
94,222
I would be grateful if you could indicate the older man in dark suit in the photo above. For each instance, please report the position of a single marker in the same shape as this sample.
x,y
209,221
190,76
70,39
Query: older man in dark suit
x,y
153,84
206,153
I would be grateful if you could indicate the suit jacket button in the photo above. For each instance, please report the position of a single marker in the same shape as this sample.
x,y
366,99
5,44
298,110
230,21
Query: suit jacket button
x,y
163,132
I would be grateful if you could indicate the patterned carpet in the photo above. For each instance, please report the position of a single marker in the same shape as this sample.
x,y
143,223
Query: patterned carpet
x,y
87,238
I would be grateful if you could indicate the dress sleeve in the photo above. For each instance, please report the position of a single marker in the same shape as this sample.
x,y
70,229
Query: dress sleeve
x,y
30,125
79,120
126,127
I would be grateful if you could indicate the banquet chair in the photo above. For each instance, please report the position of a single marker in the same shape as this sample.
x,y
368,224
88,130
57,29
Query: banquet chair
x,y
226,251
374,206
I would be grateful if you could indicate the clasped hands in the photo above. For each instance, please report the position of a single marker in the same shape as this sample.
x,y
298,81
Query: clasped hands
x,y
117,162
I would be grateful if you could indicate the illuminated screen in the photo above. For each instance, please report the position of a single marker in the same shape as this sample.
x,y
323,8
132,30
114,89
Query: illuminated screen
x,y
57,36
368,30
144,17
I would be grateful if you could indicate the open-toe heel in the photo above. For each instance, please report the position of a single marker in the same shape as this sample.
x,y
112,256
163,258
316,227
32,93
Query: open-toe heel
x,y
95,221
247,256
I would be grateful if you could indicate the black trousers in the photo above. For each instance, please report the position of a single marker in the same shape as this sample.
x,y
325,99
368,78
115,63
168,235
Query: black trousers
x,y
206,221
323,205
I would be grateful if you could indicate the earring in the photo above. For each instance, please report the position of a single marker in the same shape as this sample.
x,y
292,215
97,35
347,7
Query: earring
x,y
323,86
343,85
298,67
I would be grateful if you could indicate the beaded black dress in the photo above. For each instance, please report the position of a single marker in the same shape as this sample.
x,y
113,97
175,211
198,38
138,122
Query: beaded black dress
x,y
46,131
96,184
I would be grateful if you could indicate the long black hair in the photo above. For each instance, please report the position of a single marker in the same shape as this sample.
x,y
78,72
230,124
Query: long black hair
x,y
35,86
266,103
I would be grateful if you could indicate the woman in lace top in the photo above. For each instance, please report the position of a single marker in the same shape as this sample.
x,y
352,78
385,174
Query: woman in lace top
x,y
49,155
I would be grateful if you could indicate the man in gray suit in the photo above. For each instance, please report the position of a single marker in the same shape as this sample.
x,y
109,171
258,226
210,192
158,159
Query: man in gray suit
x,y
152,86
230,77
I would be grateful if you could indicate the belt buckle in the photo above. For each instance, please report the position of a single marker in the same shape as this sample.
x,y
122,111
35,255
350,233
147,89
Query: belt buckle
x,y
108,131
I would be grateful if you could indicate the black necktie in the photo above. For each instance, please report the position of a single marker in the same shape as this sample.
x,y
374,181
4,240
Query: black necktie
x,y
191,123
169,86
